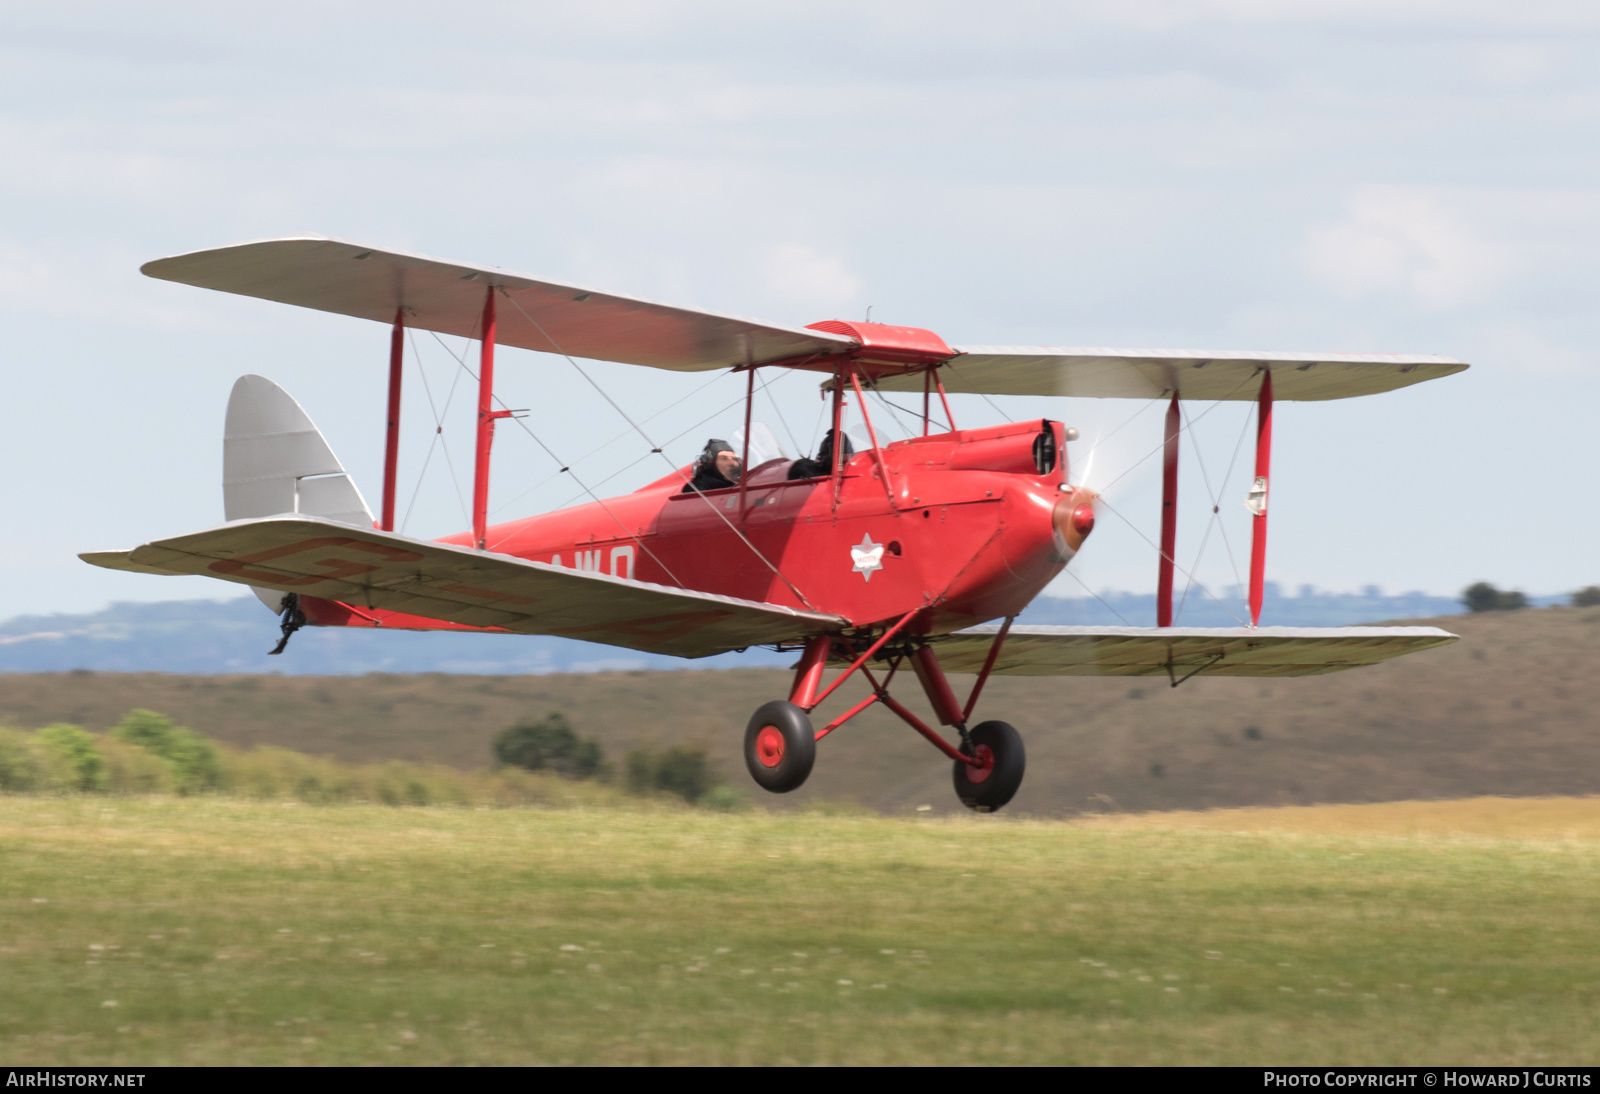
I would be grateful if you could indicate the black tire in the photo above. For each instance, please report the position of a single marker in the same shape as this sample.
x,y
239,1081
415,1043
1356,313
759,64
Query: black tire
x,y
779,746
987,789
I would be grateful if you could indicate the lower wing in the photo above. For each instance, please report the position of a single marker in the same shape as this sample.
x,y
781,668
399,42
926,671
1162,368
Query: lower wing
x,y
380,570
1183,652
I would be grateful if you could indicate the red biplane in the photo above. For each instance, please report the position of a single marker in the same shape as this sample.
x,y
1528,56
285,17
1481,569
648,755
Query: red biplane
x,y
899,555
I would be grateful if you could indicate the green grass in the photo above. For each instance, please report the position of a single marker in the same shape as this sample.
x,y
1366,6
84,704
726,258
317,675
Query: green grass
x,y
143,931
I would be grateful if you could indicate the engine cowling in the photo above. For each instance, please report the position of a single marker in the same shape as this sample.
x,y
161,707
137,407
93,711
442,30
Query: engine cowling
x,y
1021,448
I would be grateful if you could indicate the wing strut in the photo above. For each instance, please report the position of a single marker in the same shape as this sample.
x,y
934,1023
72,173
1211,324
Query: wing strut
x,y
1258,498
391,441
487,416
1169,516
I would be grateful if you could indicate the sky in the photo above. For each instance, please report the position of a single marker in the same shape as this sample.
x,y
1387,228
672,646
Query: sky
x,y
1408,176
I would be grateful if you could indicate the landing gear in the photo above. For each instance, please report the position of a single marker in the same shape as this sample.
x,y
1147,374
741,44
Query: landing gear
x,y
779,746
991,783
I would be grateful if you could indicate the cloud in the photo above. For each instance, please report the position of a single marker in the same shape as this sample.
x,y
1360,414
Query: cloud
x,y
1405,242
89,283
1525,348
797,274
1448,247
1568,15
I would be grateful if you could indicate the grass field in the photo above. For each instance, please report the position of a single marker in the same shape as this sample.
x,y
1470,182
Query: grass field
x,y
164,930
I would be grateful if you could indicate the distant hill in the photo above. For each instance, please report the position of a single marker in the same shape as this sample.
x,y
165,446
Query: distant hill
x,y
233,636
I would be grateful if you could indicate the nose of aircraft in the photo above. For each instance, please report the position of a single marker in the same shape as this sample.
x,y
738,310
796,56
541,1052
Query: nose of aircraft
x,y
1074,520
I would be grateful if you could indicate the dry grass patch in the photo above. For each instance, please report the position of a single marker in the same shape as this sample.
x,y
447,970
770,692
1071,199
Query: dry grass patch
x,y
1489,818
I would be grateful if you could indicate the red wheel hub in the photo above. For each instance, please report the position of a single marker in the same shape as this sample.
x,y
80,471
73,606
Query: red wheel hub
x,y
980,771
769,746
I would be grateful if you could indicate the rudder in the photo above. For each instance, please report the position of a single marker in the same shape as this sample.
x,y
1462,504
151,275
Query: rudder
x,y
274,460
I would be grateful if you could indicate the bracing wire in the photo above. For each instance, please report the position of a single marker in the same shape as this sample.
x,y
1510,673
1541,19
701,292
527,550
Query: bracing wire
x,y
566,468
772,400
438,432
1134,466
996,409
676,437
1244,428
607,444
1098,597
656,449
1198,555
954,371
1197,584
893,413
1216,506
816,426
1215,521
1098,441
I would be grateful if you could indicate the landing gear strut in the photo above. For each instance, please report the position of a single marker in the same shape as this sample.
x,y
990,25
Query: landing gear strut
x,y
780,745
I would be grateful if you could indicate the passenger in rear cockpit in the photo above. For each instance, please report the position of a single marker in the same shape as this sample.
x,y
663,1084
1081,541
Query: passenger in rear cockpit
x,y
717,468
823,464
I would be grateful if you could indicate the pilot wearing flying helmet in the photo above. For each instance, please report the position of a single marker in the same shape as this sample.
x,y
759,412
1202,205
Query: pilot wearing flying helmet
x,y
717,468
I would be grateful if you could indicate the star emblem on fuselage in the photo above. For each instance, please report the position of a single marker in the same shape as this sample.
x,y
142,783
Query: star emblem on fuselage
x,y
868,557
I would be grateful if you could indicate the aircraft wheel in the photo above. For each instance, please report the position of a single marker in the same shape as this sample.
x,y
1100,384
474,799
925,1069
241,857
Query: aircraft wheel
x,y
779,746
989,786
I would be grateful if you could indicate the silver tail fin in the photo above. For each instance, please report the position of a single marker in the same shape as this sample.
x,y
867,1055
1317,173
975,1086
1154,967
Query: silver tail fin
x,y
275,461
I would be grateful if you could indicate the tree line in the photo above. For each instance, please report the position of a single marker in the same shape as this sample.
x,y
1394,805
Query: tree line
x,y
1484,597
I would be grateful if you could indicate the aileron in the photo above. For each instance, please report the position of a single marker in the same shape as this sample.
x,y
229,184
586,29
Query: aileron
x,y
1223,651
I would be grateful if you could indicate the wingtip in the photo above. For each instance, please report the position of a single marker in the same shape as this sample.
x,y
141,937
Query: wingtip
x,y
152,267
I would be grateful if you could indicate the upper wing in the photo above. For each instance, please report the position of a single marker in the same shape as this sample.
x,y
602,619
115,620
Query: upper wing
x,y
1180,652
549,316
1194,374
371,569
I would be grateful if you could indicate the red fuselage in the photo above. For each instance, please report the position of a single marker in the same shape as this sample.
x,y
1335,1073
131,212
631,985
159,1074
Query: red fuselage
x,y
970,525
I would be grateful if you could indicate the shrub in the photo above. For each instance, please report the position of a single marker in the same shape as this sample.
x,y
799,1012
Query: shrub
x,y
1586,597
73,758
684,772
131,769
1484,597
148,754
21,768
551,744
194,761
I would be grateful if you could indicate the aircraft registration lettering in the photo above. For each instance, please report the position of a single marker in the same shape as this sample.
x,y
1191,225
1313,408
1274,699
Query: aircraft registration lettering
x,y
621,559
622,562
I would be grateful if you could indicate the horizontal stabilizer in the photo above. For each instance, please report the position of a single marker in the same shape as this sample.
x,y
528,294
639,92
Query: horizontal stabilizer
x,y
1180,652
368,569
123,560
535,313
1195,374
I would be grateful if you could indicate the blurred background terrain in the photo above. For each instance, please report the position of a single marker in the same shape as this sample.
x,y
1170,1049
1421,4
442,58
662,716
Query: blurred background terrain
x,y
1508,710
